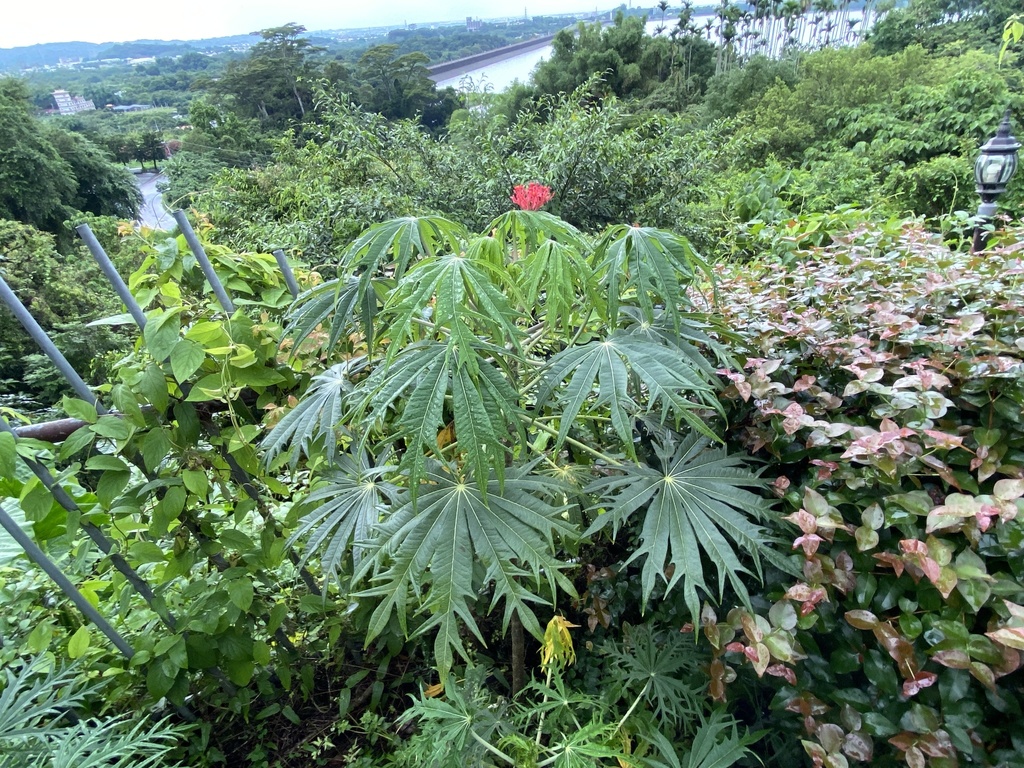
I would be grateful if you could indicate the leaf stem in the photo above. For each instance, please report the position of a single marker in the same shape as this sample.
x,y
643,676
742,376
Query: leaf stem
x,y
540,722
573,442
491,748
632,707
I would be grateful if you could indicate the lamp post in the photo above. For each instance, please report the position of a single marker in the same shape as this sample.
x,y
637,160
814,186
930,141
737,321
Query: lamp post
x,y
993,170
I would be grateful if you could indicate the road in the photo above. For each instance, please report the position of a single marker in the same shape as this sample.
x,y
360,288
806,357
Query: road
x,y
152,212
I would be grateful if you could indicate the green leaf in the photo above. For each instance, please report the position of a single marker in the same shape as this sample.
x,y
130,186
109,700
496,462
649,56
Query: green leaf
x,y
154,448
400,241
210,387
162,333
391,245
718,742
255,376
660,376
186,357
558,282
110,486
698,504
208,333
316,415
113,427
159,680
38,639
660,670
463,296
188,428
105,462
651,266
417,384
153,387
79,409
167,510
240,670
8,455
341,513
336,303
528,230
240,593
76,441
455,540
261,652
236,540
196,482
78,644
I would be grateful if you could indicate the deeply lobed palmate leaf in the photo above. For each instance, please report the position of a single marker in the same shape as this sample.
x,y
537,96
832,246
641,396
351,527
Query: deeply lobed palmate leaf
x,y
349,303
558,281
697,508
651,266
336,303
400,241
463,298
425,556
624,369
341,512
316,417
417,383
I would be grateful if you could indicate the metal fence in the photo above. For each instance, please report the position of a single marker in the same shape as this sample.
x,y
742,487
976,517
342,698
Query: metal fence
x,y
56,431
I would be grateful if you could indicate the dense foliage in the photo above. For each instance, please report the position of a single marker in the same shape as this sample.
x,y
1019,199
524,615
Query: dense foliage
x,y
47,174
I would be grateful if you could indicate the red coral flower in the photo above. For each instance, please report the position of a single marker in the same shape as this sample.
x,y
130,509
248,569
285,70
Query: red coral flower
x,y
532,197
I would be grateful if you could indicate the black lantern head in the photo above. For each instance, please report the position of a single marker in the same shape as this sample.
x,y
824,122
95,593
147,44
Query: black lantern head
x,y
996,165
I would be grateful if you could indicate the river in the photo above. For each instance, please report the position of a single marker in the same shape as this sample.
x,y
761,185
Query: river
x,y
501,75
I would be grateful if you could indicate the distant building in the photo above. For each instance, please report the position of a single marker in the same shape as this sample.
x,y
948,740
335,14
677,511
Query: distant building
x,y
69,105
473,26
131,108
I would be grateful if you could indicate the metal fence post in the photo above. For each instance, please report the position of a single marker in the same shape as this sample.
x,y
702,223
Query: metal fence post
x,y
111,274
204,261
39,337
286,270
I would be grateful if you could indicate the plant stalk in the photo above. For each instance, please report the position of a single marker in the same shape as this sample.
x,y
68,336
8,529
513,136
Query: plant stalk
x,y
518,655
575,443
491,748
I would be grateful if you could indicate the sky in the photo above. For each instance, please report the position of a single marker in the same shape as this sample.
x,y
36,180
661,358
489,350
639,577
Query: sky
x,y
26,22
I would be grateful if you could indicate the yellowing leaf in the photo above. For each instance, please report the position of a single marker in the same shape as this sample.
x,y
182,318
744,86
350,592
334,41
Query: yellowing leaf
x,y
446,436
557,645
433,691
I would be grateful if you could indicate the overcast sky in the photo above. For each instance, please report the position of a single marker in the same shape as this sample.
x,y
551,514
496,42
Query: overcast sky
x,y
25,22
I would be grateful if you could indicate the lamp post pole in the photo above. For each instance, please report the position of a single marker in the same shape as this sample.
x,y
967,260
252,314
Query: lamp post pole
x,y
993,170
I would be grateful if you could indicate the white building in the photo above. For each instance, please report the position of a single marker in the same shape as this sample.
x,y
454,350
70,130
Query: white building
x,y
69,105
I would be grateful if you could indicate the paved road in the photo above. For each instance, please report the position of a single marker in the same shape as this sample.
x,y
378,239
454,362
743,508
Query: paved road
x,y
152,212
